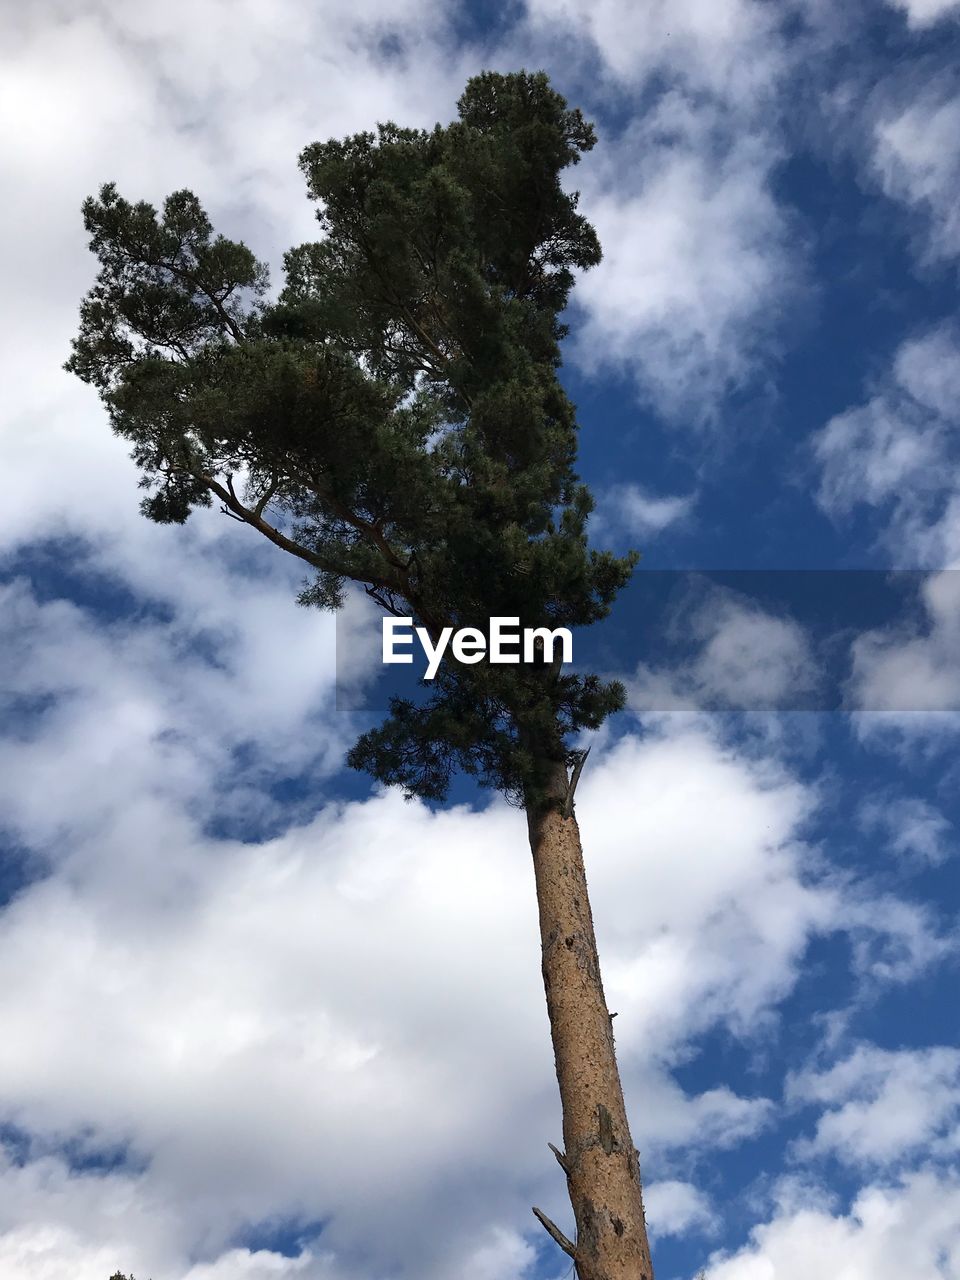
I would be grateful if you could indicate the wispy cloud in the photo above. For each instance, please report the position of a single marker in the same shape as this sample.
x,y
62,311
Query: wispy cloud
x,y
737,655
631,511
915,157
897,454
916,831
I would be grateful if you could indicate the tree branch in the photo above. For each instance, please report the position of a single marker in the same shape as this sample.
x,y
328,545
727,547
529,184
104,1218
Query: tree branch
x,y
557,1235
265,498
169,265
227,495
572,784
384,602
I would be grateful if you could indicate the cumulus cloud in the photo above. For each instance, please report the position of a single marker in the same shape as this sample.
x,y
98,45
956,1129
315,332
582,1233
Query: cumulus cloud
x,y
882,1106
60,1223
679,976
674,1208
335,985
911,1228
696,249
201,696
219,992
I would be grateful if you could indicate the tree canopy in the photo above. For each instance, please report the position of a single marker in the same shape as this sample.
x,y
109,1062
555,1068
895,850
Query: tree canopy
x,y
394,416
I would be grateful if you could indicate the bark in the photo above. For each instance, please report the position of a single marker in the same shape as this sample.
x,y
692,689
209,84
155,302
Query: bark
x,y
600,1160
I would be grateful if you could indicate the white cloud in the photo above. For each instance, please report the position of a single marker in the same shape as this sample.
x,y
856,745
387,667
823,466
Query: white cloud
x,y
909,672
916,831
928,369
724,47
631,510
898,453
883,1106
677,1208
924,13
893,116
278,984
700,260
327,986
506,1255
62,1224
915,158
696,249
87,1225
162,708
911,1229
744,658
696,803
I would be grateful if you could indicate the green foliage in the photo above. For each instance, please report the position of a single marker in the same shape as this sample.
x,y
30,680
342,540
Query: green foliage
x,y
395,415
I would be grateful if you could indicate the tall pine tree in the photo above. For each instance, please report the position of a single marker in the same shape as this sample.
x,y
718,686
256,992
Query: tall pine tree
x,y
395,419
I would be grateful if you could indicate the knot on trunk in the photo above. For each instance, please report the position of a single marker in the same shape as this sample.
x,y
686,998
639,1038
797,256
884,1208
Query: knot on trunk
x,y
605,1132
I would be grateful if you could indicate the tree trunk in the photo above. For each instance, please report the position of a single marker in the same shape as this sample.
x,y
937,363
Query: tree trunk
x,y
600,1160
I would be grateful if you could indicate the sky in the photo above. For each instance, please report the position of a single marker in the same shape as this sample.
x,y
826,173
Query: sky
x,y
263,1020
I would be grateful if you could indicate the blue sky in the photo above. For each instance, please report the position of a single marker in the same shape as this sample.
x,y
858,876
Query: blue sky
x,y
261,1020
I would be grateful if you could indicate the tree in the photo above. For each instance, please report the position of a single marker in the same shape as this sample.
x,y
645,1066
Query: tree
x,y
395,419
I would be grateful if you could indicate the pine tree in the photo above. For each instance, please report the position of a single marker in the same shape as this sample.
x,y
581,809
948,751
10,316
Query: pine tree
x,y
394,418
